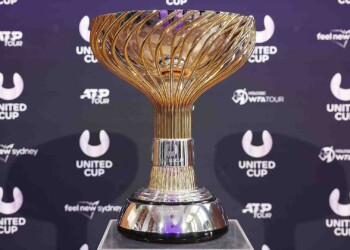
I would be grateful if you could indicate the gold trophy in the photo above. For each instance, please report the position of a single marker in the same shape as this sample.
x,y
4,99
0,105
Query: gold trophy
x,y
172,56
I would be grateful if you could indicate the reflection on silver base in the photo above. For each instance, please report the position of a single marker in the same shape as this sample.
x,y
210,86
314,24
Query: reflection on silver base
x,y
174,220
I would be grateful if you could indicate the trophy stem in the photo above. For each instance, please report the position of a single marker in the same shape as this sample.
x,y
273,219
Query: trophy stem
x,y
173,122
173,150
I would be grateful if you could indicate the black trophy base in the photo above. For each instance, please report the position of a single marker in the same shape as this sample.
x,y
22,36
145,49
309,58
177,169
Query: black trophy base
x,y
173,238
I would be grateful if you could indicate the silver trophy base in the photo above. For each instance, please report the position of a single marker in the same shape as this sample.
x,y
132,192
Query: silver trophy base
x,y
179,217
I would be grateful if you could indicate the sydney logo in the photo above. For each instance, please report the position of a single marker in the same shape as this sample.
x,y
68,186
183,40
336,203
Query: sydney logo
x,y
90,208
338,36
262,54
341,111
341,227
7,150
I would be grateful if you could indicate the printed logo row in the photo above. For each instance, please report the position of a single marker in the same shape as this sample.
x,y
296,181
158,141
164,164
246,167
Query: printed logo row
x,y
10,224
261,54
11,110
98,167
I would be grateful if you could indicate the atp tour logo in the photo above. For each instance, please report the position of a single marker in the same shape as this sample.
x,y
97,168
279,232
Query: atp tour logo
x,y
11,38
341,227
8,2
96,96
257,168
176,2
9,224
242,96
337,36
94,168
10,110
84,50
89,208
341,111
259,210
7,150
329,154
344,1
261,54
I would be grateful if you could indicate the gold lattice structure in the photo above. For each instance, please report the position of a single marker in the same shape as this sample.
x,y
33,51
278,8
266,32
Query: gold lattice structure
x,y
173,57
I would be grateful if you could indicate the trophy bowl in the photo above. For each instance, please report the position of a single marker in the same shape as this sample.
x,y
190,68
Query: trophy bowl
x,y
172,56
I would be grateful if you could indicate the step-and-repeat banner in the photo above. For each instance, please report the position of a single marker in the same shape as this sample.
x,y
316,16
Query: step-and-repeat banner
x,y
272,140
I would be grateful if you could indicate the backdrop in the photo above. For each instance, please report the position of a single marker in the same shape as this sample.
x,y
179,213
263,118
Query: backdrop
x,y
272,141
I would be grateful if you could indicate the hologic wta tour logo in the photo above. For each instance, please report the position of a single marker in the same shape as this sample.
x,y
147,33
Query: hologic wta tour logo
x,y
96,96
341,227
337,36
329,154
262,54
344,1
9,224
84,50
11,38
89,208
341,111
176,2
10,150
94,168
259,210
242,96
257,168
10,110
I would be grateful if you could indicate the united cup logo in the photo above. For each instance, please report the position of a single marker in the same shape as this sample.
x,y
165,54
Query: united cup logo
x,y
94,168
263,53
265,247
341,227
11,111
257,168
341,111
339,92
84,28
257,151
176,2
266,34
10,94
84,50
8,2
10,225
